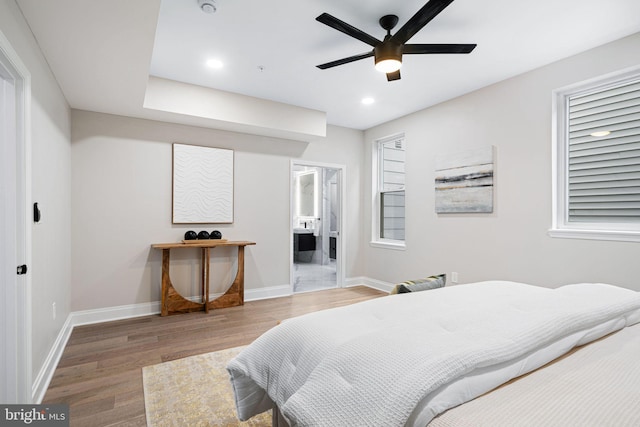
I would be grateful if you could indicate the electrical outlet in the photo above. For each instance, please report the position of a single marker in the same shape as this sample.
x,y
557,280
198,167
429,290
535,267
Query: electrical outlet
x,y
454,277
53,310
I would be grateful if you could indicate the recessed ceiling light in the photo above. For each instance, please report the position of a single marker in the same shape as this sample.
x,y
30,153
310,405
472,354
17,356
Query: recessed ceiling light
x,y
215,64
600,133
368,100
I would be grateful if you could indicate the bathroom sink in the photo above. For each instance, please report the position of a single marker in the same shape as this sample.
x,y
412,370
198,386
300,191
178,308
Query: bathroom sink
x,y
302,231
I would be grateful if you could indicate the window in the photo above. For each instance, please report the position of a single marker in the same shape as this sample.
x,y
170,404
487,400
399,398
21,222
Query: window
x,y
389,229
597,165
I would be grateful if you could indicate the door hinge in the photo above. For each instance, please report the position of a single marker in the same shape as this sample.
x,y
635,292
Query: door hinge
x,y
22,269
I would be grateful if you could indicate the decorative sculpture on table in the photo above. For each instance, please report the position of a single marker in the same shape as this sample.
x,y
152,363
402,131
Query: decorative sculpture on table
x,y
190,235
193,237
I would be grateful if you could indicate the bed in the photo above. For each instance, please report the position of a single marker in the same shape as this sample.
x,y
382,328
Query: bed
x,y
404,360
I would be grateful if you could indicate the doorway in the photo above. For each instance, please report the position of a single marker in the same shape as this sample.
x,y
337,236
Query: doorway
x,y
15,354
316,226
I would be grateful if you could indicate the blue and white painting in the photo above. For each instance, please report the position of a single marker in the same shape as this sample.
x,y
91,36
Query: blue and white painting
x,y
464,181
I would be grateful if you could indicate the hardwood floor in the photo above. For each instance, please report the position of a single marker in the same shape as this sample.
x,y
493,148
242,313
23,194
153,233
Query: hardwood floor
x,y
100,373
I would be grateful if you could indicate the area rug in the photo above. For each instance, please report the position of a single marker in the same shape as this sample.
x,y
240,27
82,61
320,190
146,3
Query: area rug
x,y
194,391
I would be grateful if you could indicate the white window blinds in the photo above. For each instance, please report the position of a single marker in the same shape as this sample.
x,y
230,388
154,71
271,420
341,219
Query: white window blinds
x,y
604,155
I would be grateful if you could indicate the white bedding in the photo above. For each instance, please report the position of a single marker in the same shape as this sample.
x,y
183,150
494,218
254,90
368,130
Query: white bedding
x,y
402,359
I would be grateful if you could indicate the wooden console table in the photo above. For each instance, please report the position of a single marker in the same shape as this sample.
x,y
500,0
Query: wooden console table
x,y
173,302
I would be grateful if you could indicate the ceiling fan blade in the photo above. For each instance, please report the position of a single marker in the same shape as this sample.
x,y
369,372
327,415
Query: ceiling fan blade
x,y
393,76
420,19
437,48
345,60
349,30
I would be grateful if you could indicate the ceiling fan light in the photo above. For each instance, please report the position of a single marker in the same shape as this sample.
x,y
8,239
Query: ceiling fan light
x,y
388,65
388,57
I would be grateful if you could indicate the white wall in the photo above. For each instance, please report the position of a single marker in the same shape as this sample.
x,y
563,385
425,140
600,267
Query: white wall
x,y
121,204
50,179
512,243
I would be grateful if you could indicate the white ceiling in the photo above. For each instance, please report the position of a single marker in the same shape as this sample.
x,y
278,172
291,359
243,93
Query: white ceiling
x,y
102,53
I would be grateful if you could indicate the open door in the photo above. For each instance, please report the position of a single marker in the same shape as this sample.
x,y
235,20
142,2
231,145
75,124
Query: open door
x,y
316,225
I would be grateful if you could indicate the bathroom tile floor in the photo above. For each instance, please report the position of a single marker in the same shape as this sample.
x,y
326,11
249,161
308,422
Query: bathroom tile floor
x,y
312,277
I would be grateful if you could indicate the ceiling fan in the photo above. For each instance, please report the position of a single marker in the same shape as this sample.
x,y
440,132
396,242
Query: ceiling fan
x,y
388,52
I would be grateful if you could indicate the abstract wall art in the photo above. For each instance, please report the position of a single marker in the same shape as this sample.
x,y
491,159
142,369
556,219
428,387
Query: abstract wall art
x,y
464,181
202,184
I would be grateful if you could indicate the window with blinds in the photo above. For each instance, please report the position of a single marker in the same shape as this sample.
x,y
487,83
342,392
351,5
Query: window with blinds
x,y
599,155
604,155
391,188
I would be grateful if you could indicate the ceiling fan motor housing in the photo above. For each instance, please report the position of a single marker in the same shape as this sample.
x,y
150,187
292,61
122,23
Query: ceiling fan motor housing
x,y
387,50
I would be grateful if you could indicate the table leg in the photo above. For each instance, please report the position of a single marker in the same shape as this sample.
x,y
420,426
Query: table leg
x,y
240,274
171,301
235,294
205,278
166,283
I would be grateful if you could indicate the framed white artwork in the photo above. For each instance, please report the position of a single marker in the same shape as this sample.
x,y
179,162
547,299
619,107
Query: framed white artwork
x,y
202,185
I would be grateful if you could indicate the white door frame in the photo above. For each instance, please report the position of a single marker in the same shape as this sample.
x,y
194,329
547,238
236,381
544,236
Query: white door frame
x,y
15,334
342,229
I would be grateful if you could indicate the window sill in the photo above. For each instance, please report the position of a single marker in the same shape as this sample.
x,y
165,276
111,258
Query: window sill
x,y
390,244
612,235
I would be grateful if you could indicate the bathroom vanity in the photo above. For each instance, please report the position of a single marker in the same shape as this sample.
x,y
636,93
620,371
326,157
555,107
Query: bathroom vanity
x,y
304,243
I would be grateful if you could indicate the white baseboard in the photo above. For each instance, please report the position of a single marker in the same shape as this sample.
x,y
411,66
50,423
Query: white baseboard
x,y
372,283
108,314
266,293
88,317
41,383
